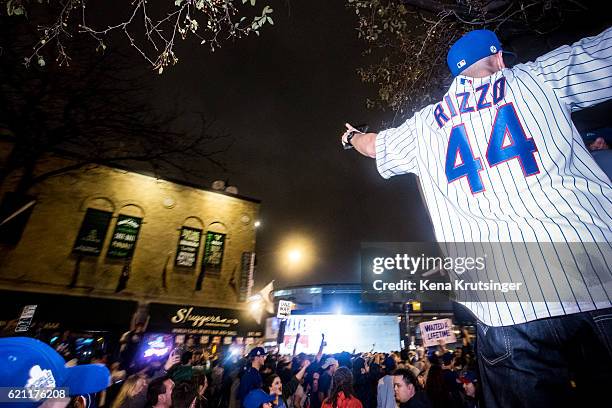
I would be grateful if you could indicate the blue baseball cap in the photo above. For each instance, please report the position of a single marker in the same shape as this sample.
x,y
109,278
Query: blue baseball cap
x,y
256,352
255,398
389,364
30,363
472,47
468,377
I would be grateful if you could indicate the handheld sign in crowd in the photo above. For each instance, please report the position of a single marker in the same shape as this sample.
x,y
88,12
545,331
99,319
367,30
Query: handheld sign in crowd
x,y
284,309
434,331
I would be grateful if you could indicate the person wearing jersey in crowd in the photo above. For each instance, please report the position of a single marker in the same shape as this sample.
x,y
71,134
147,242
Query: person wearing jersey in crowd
x,y
251,378
499,161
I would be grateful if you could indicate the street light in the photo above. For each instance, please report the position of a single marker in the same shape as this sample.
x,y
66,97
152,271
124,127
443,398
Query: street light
x,y
295,255
257,224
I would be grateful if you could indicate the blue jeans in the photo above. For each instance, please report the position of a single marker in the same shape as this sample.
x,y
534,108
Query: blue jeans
x,y
561,361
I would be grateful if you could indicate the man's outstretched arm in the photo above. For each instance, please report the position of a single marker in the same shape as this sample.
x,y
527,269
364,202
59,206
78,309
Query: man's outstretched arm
x,y
364,143
579,74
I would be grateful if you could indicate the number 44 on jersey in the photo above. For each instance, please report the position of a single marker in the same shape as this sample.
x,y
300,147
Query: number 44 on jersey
x,y
507,141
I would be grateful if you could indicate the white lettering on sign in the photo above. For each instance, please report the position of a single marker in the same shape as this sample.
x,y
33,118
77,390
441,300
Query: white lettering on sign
x,y
185,315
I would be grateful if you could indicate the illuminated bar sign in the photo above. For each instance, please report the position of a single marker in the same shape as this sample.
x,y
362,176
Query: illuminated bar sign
x,y
188,319
92,233
124,237
188,246
213,251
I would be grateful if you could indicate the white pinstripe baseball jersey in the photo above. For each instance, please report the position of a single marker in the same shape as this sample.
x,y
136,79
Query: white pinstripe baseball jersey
x,y
499,160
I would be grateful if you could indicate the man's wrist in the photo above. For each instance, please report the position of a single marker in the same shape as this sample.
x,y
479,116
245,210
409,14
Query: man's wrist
x,y
365,143
348,142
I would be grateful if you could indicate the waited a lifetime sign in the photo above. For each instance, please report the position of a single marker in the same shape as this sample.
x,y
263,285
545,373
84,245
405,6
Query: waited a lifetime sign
x,y
434,331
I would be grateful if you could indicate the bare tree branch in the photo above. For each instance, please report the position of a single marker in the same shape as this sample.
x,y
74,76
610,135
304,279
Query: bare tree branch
x,y
210,22
92,114
407,40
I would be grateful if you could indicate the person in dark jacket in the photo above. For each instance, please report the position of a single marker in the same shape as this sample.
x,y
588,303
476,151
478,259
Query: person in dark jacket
x,y
362,382
407,391
251,379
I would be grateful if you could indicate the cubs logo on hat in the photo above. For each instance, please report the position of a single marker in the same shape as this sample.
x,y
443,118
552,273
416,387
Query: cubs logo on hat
x,y
470,48
30,363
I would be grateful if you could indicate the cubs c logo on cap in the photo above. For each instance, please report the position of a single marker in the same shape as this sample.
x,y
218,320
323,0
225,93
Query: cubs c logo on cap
x,y
473,46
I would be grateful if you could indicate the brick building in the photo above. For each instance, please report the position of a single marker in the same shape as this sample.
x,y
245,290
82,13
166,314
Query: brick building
x,y
127,243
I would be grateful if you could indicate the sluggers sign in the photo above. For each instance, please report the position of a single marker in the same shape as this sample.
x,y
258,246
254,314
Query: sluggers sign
x,y
213,251
124,237
92,233
189,243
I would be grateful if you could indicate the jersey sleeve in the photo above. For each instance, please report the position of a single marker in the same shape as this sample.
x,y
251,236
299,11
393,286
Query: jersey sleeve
x,y
396,150
580,74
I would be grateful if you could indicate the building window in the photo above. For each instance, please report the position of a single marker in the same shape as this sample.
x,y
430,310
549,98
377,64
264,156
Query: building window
x,y
124,237
93,232
188,247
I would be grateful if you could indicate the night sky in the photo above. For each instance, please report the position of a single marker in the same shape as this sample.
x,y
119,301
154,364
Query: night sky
x,y
285,97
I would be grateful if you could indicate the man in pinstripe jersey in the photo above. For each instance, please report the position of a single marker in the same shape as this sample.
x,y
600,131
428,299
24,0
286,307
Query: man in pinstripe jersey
x,y
502,167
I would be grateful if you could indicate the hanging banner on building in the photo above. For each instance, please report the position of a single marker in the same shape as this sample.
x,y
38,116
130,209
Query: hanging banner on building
x,y
213,251
188,246
25,320
92,233
124,237
246,275
434,331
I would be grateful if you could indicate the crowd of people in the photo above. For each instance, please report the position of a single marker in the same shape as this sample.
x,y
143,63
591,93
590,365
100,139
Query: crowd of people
x,y
189,377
